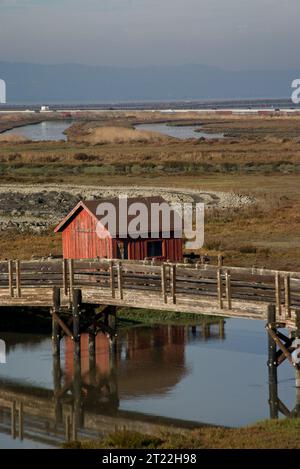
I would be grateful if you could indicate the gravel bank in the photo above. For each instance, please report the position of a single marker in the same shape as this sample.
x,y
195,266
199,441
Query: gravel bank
x,y
36,208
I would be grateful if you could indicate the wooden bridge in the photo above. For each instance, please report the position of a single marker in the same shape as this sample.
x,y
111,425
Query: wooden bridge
x,y
84,295
197,288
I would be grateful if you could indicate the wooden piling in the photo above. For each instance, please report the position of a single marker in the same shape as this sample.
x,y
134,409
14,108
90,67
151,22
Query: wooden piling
x,y
76,308
55,324
21,421
112,317
57,375
272,364
297,336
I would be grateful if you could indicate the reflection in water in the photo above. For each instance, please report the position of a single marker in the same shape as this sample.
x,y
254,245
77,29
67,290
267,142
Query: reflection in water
x,y
47,130
181,132
131,383
84,401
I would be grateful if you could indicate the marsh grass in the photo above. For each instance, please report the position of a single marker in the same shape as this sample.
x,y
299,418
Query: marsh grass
x,y
271,434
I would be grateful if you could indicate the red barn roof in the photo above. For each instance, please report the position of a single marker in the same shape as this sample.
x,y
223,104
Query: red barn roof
x,y
91,207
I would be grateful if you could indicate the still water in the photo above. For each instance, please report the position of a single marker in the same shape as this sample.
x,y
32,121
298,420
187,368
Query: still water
x,y
214,373
182,132
47,130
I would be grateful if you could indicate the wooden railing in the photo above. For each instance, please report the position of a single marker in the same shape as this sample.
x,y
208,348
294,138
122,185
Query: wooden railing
x,y
166,280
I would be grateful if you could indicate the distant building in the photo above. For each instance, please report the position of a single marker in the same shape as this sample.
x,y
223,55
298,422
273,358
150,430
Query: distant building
x,y
2,92
45,109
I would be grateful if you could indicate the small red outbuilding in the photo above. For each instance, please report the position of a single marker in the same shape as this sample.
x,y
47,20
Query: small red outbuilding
x,y
80,237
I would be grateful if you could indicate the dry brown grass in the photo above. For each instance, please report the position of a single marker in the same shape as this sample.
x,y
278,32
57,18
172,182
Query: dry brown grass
x,y
13,138
103,135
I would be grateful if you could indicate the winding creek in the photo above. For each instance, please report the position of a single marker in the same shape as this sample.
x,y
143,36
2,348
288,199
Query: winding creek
x,y
47,130
54,130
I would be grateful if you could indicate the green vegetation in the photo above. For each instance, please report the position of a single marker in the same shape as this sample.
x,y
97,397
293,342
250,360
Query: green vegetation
x,y
149,317
273,434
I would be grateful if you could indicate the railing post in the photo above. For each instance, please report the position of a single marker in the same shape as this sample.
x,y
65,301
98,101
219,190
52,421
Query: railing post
x,y
164,282
18,278
278,292
112,279
10,278
13,419
71,276
120,280
228,290
287,294
220,260
220,288
173,283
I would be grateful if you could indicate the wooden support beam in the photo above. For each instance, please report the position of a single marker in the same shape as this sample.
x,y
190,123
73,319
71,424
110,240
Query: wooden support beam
x,y
220,260
283,409
220,288
272,365
102,327
120,280
164,283
64,327
278,293
18,277
228,290
55,325
112,317
112,279
10,268
281,346
173,282
76,308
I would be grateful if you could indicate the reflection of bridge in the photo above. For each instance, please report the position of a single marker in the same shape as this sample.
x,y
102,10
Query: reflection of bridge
x,y
84,402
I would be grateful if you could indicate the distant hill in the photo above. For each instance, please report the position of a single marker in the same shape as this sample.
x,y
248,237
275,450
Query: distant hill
x,y
32,83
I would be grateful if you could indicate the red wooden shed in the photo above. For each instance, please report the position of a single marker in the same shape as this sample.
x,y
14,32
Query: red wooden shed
x,y
81,241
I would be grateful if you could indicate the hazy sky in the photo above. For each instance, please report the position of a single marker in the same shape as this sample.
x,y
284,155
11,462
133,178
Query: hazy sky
x,y
233,34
